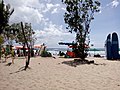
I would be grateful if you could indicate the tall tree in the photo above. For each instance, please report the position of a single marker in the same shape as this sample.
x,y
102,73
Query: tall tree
x,y
28,40
19,37
5,13
78,16
24,36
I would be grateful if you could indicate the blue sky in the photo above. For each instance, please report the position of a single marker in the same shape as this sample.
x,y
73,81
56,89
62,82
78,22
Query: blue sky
x,y
106,22
46,17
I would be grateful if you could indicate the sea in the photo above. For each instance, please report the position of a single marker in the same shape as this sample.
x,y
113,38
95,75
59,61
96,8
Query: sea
x,y
91,52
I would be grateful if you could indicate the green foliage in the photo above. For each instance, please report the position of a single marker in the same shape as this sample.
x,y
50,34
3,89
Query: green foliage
x,y
61,53
19,34
78,16
9,35
5,13
46,54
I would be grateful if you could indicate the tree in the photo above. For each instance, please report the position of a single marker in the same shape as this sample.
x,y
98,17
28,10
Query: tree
x,y
27,42
5,13
19,37
78,16
9,35
24,33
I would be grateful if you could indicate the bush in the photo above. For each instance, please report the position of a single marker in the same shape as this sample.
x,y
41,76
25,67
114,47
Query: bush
x,y
46,54
61,53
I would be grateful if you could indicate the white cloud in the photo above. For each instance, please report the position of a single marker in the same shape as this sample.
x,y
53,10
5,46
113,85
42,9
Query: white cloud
x,y
53,34
113,4
50,7
37,13
55,11
63,9
26,14
52,31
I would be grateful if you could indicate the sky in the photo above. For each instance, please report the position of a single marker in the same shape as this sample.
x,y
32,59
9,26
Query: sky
x,y
46,18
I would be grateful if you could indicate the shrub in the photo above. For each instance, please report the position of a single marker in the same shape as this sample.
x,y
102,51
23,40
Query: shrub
x,y
46,54
61,53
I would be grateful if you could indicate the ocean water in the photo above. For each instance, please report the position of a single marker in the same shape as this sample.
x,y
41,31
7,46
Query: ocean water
x,y
55,51
92,53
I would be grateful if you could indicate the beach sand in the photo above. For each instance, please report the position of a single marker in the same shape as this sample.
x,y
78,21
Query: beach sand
x,y
52,74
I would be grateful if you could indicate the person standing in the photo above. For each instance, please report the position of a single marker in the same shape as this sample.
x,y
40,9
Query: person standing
x,y
7,52
12,54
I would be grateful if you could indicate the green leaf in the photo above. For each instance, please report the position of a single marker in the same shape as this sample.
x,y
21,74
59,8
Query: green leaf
x,y
97,3
78,17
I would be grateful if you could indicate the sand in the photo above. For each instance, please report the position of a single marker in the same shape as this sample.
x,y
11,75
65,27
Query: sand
x,y
52,74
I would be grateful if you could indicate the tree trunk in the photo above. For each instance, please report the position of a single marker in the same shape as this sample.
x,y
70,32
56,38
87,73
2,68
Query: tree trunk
x,y
26,42
24,51
28,59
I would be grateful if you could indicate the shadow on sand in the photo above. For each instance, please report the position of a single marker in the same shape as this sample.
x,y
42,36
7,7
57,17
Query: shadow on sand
x,y
20,69
76,62
8,64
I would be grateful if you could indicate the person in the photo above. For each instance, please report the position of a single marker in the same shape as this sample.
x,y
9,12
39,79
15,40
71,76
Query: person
x,y
2,53
6,52
12,54
18,52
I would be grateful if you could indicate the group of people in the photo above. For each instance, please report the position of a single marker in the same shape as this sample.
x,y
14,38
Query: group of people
x,y
8,52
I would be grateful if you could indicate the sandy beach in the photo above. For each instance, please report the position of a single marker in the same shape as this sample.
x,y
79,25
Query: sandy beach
x,y
52,74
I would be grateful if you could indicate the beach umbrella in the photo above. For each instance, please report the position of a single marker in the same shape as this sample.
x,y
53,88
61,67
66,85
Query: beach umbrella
x,y
37,46
18,47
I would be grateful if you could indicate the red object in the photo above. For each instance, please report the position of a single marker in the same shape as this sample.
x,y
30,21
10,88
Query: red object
x,y
20,47
71,46
37,46
71,54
